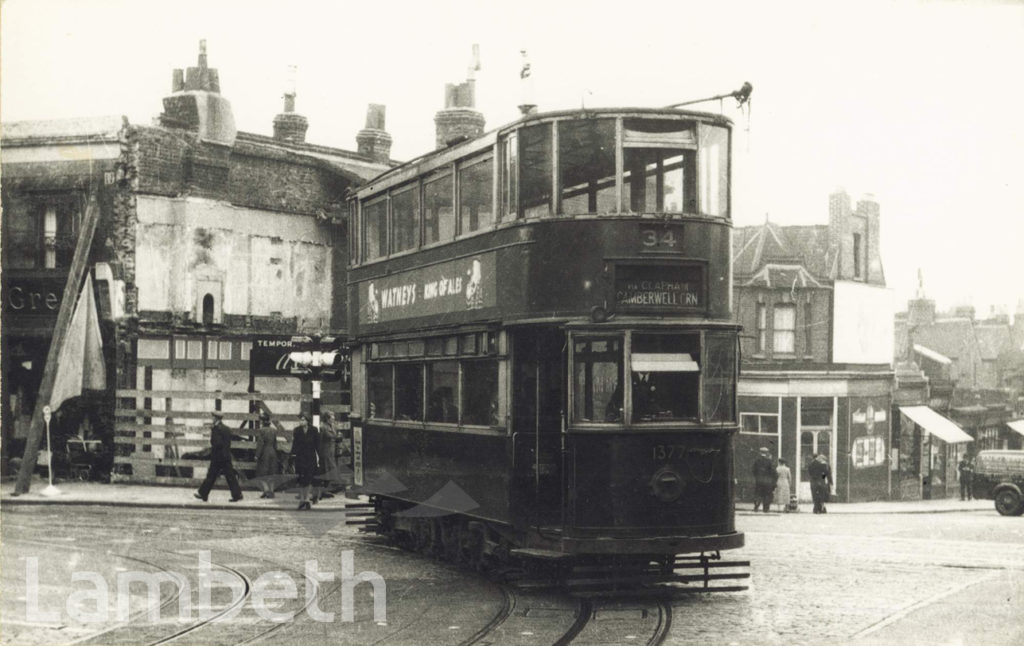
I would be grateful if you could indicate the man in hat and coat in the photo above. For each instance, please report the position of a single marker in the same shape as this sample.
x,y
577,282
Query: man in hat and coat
x,y
220,461
305,455
820,473
764,480
266,455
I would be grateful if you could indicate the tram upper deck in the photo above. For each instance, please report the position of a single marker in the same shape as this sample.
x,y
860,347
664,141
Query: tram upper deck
x,y
580,214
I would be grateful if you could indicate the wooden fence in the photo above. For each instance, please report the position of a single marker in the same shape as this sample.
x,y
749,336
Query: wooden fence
x,y
163,436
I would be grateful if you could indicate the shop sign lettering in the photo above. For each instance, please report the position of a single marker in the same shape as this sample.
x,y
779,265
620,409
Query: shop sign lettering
x,y
36,297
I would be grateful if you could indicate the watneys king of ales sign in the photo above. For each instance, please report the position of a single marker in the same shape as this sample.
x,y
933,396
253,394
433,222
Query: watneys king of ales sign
x,y
660,287
455,286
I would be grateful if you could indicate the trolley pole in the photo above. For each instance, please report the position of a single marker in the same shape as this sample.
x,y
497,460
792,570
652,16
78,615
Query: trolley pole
x,y
50,490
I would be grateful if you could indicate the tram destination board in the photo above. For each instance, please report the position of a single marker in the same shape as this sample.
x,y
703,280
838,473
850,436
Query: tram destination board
x,y
663,287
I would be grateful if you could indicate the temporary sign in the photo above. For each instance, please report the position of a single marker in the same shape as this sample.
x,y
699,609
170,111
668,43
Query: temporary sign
x,y
454,286
272,356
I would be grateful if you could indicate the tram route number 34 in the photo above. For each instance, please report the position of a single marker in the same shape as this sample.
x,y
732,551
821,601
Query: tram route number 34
x,y
659,239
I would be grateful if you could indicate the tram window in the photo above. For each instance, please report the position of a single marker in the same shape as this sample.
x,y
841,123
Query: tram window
x,y
586,165
714,170
438,214
665,377
476,198
480,392
597,379
435,346
379,377
405,218
469,343
535,170
409,391
719,377
660,166
375,219
442,390
660,181
509,176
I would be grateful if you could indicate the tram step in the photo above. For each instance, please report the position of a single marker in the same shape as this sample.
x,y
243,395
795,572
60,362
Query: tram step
x,y
657,591
535,553
654,578
692,564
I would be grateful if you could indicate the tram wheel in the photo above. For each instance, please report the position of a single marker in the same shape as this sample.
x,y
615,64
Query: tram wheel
x,y
471,547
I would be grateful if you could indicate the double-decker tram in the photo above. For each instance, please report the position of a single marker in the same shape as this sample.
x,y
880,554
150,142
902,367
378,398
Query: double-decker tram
x,y
543,351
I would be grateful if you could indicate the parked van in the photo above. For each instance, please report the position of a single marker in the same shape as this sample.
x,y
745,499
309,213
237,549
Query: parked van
x,y
999,476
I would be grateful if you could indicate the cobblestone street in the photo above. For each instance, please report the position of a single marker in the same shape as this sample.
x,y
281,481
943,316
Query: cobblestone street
x,y
873,578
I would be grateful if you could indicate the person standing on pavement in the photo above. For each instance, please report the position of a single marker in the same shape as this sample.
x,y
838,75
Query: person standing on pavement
x,y
764,480
820,473
220,461
966,472
305,455
328,456
783,478
266,455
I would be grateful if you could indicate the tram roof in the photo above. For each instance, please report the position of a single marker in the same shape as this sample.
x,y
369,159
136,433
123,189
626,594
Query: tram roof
x,y
442,156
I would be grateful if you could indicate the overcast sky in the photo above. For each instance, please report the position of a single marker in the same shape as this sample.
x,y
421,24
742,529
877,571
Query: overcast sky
x,y
918,103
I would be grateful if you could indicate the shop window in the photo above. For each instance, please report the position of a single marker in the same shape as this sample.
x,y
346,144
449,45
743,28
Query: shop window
x,y
759,424
586,164
442,391
409,391
480,393
380,397
154,349
39,232
225,351
535,159
784,328
597,379
476,198
405,217
438,214
665,376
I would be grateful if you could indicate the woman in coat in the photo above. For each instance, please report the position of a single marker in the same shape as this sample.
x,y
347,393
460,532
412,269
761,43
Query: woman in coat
x,y
266,456
783,484
328,460
305,455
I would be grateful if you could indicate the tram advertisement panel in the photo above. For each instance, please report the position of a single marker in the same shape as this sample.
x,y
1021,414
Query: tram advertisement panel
x,y
455,286
660,287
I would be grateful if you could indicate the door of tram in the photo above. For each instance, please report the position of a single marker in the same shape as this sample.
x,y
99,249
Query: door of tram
x,y
538,393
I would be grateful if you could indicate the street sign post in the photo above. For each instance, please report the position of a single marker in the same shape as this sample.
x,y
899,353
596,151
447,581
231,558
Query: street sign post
x,y
50,490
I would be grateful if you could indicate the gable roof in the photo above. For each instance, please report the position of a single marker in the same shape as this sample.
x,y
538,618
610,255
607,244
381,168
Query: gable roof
x,y
952,338
803,246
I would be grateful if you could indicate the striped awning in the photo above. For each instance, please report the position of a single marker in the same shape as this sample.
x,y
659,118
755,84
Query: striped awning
x,y
939,426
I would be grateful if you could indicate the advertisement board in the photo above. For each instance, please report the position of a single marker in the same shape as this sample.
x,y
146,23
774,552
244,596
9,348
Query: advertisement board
x,y
863,325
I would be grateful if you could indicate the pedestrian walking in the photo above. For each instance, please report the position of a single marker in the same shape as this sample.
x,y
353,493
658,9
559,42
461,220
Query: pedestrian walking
x,y
328,469
783,482
305,455
220,461
266,455
764,480
820,473
965,470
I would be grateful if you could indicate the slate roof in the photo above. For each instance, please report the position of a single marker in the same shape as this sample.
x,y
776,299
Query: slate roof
x,y
805,246
60,129
950,337
993,340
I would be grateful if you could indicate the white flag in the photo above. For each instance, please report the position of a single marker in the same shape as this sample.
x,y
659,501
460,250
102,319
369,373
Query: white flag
x,y
80,362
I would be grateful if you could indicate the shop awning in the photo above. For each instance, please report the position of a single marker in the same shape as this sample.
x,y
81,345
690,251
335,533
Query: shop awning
x,y
1017,425
936,424
663,362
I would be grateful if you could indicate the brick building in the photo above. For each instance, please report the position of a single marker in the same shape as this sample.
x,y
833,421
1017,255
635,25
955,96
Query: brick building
x,y
209,241
814,376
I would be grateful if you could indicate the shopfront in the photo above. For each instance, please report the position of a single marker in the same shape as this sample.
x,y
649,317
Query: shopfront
x,y
930,447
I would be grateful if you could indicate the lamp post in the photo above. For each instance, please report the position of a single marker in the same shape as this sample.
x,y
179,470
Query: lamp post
x,y
50,490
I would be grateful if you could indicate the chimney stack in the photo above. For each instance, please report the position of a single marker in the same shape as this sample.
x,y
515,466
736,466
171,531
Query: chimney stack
x,y
290,126
459,120
373,140
196,104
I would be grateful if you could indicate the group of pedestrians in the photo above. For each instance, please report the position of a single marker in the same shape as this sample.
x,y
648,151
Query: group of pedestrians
x,y
773,482
313,456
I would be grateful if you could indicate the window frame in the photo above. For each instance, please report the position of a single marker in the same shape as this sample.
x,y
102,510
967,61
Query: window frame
x,y
777,332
